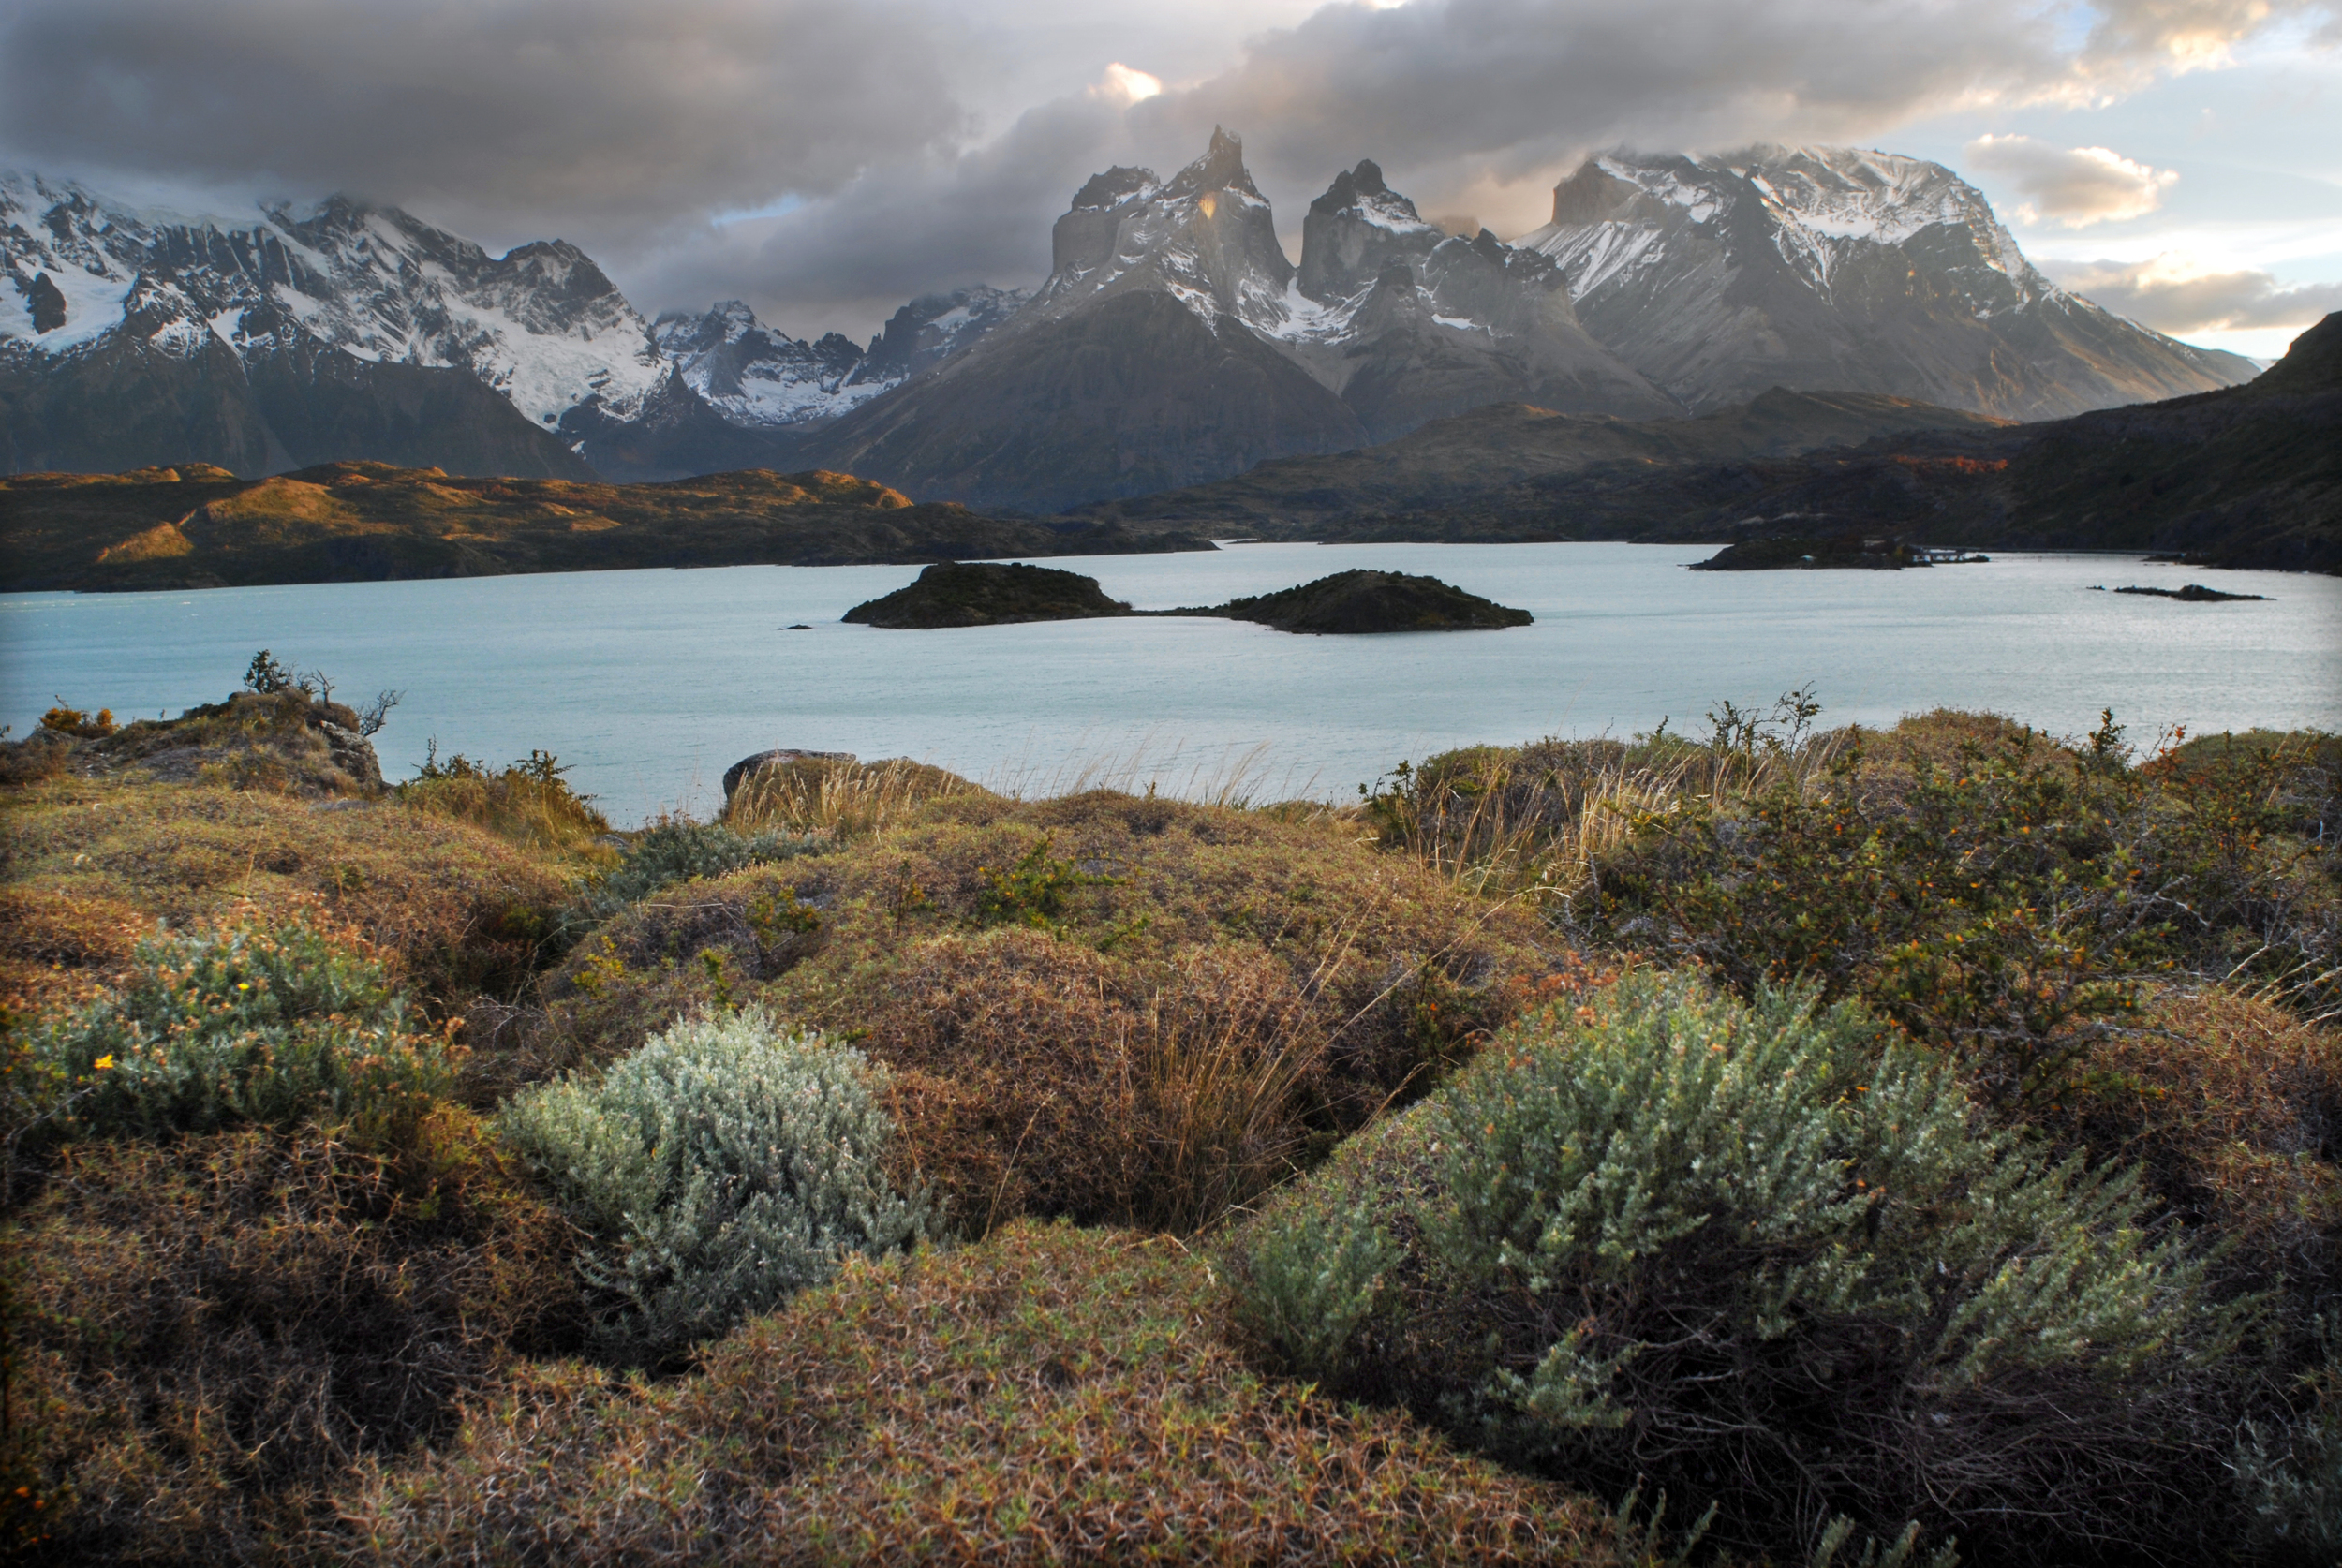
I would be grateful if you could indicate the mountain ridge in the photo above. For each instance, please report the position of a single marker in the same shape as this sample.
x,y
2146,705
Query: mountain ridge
x,y
1663,285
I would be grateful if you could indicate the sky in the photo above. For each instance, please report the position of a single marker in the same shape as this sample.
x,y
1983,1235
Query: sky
x,y
824,160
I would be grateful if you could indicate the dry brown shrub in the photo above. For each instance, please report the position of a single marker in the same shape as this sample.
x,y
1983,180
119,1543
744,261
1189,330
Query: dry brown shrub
x,y
212,1331
1052,1395
275,741
1035,1076
1108,1006
2234,1106
89,866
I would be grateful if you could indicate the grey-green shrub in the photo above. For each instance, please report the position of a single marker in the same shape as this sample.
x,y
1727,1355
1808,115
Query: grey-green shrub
x,y
244,1024
2290,1471
720,1168
1313,1276
674,852
1766,1256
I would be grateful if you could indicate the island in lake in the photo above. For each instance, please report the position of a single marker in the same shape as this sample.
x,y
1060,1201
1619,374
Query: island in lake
x,y
1347,603
1851,551
954,593
2195,593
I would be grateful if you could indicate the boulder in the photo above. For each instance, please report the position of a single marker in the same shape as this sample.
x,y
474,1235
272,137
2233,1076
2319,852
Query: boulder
x,y
747,767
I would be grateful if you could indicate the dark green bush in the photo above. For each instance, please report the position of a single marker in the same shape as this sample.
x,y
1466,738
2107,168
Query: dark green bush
x,y
1765,1257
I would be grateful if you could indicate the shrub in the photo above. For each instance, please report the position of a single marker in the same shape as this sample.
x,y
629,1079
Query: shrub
x,y
75,723
206,1334
2006,902
92,865
720,1168
1051,1395
840,795
2233,1109
528,802
681,851
2288,1470
1223,982
1769,1257
245,1024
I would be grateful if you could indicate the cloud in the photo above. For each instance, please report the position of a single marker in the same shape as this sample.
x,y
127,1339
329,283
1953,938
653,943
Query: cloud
x,y
2172,295
541,114
1128,85
860,134
975,216
2075,187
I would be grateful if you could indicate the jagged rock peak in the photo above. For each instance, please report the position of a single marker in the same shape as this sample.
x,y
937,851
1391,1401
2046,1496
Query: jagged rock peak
x,y
1110,188
1206,238
1363,187
1221,167
1357,232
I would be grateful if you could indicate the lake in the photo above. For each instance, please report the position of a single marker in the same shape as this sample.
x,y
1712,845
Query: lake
x,y
649,684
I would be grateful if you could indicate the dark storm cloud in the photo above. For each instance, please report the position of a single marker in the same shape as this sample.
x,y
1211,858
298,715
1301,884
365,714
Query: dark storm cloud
x,y
980,215
590,115
1519,85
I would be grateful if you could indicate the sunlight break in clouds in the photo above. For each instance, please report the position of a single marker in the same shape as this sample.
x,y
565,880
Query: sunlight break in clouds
x,y
1127,86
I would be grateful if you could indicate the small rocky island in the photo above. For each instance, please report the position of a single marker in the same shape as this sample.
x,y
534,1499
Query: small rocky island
x,y
950,593
1347,603
1353,602
1855,550
2195,593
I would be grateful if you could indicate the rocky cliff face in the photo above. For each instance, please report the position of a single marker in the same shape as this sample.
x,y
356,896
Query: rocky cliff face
x,y
1174,338
1206,238
1410,324
1147,360
1828,267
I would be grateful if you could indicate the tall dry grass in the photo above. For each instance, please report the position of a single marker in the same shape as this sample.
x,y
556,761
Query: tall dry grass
x,y
1225,1072
1235,776
1536,821
528,802
847,799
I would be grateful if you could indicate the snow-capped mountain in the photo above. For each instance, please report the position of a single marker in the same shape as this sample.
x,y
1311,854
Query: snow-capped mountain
x,y
1148,359
753,376
759,378
1206,238
1175,342
541,325
95,286
1408,323
931,329
1832,267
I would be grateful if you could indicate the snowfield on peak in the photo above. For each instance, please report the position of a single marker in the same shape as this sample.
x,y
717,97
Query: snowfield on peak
x,y
542,324
1834,268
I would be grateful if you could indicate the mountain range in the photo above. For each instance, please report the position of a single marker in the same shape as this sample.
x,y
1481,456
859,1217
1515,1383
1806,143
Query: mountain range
x,y
1173,342
2243,475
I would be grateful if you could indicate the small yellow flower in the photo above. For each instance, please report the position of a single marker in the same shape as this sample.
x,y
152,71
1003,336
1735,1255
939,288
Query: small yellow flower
x,y
104,1062
243,986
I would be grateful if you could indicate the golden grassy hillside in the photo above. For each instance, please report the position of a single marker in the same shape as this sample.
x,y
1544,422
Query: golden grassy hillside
x,y
195,525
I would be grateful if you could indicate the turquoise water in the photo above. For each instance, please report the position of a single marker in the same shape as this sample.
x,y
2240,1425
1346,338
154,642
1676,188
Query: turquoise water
x,y
651,683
